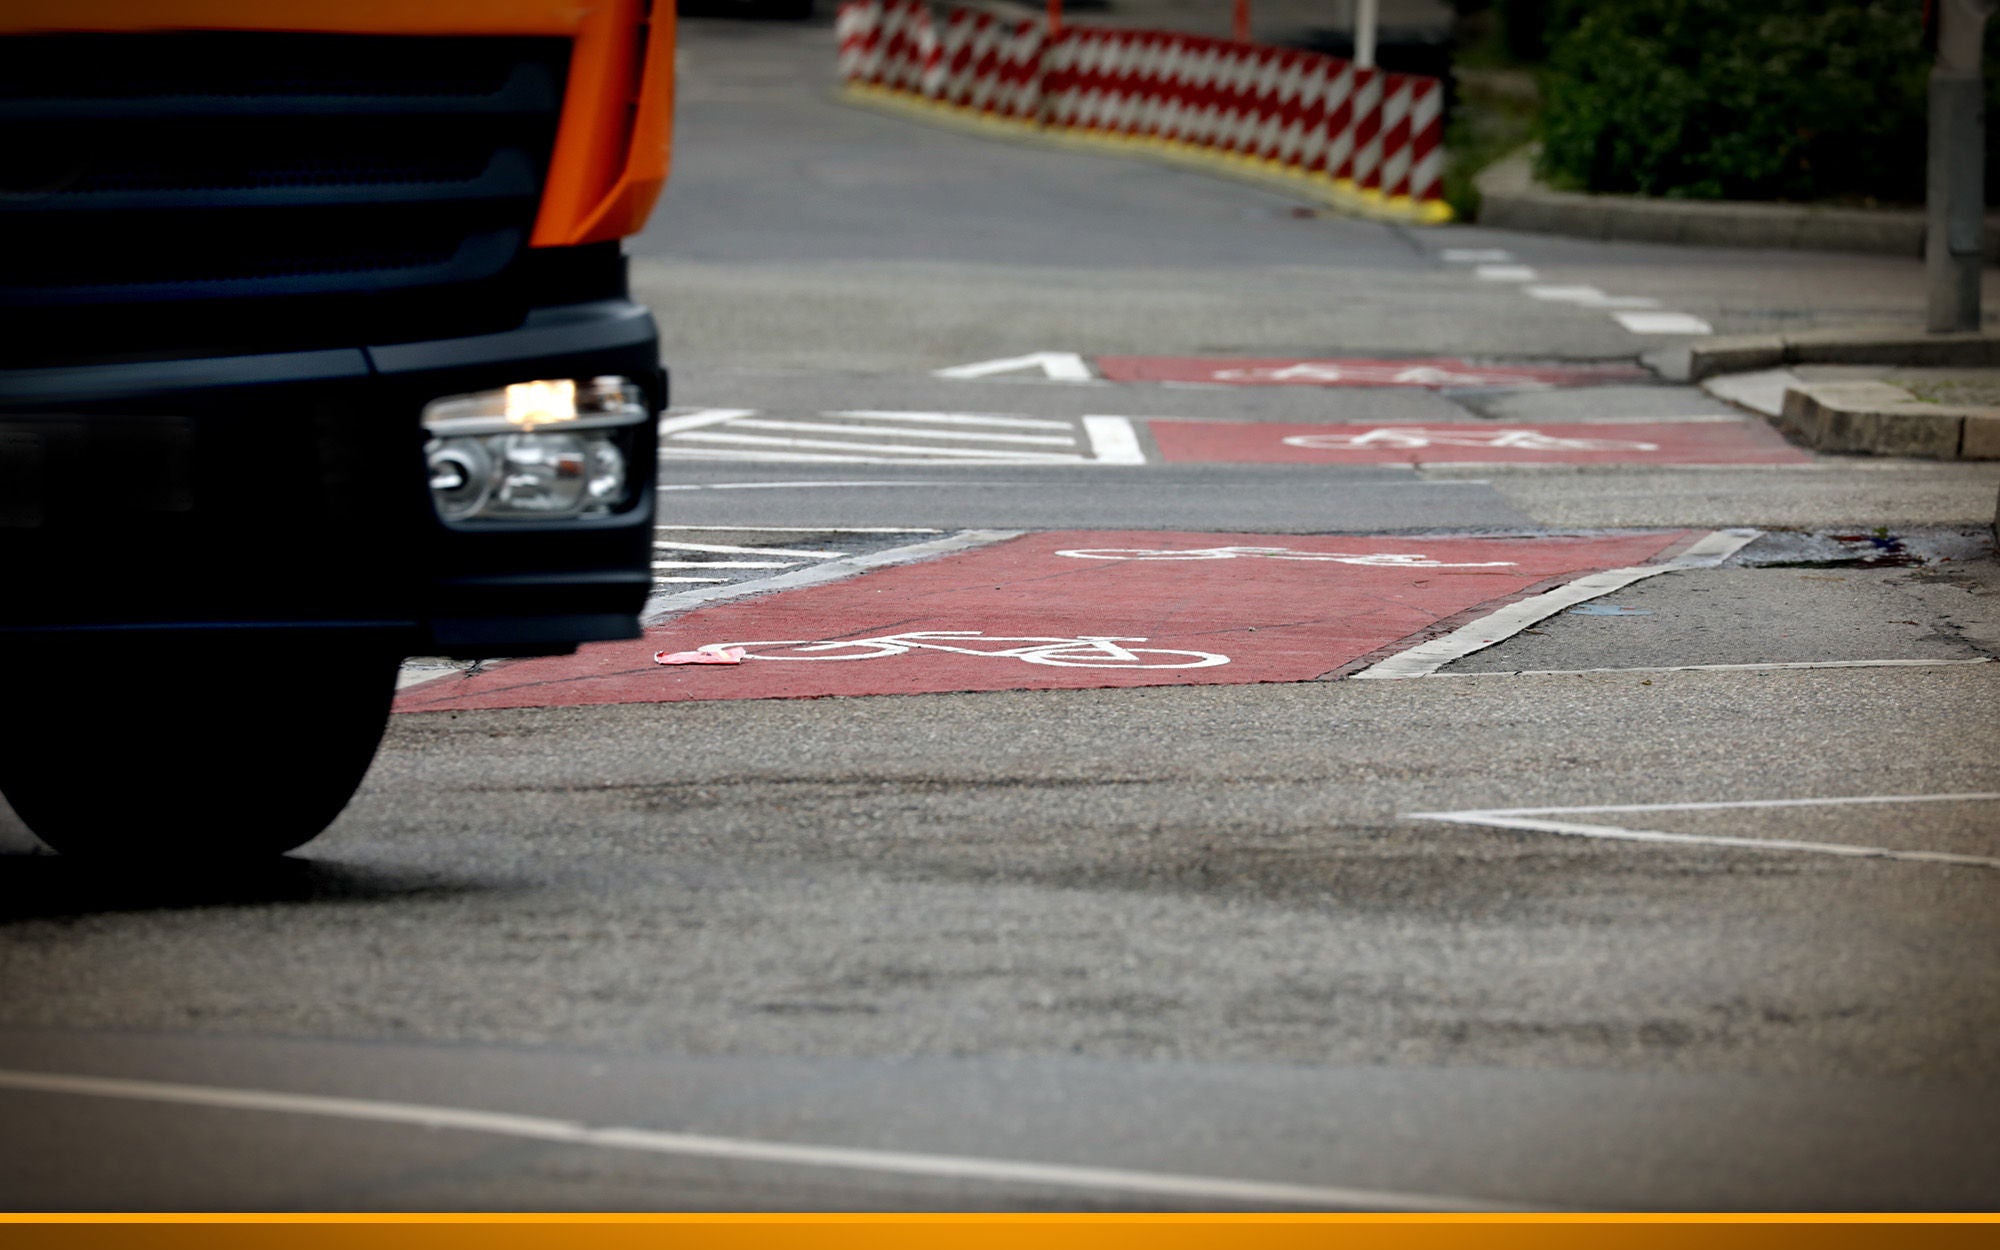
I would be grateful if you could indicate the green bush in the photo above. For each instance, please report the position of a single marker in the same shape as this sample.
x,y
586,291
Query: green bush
x,y
1739,99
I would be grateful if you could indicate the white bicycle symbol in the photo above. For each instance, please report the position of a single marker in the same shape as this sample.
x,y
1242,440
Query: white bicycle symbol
x,y
1083,651
1378,560
1412,438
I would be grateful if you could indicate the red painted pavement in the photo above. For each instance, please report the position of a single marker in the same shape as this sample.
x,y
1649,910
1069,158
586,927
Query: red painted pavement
x,y
1293,371
1276,617
1727,441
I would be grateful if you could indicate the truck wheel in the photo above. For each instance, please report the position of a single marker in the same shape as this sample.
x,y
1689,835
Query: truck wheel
x,y
190,751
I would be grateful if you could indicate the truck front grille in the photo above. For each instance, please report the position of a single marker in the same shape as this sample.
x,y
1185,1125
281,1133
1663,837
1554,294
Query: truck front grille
x,y
252,190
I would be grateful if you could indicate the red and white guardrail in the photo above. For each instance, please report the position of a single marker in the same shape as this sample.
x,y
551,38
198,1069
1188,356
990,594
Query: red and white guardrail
x,y
1362,138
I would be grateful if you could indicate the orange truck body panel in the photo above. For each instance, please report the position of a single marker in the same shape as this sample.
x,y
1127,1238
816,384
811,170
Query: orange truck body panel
x,y
612,149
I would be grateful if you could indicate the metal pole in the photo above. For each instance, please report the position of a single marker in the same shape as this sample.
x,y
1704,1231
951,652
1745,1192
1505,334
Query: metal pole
x,y
1365,13
1955,184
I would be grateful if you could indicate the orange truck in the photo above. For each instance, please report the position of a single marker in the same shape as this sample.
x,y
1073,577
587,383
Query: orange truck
x,y
316,352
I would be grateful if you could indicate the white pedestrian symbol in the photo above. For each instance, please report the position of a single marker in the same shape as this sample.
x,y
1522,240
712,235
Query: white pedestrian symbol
x,y
1414,438
1082,651
1373,559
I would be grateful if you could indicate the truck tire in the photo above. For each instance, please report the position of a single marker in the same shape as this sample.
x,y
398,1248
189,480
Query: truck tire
x,y
190,751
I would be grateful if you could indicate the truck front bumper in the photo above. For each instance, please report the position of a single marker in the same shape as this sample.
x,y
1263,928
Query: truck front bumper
x,y
289,492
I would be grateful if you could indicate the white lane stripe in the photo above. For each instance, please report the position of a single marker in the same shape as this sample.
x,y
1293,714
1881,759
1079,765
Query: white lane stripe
x,y
661,606
1113,440
660,544
1721,668
772,457
815,486
804,529
1474,255
953,418
695,420
1428,657
827,444
1055,366
649,1141
701,581
723,564
1505,273
1527,820
832,427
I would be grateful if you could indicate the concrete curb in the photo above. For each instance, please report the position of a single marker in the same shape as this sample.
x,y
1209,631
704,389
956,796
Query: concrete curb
x,y
1705,358
1878,418
1511,199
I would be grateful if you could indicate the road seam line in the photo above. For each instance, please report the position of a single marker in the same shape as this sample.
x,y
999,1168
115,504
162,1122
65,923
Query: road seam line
x,y
1721,668
648,1141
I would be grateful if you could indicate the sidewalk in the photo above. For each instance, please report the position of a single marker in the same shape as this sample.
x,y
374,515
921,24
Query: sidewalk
x,y
1889,392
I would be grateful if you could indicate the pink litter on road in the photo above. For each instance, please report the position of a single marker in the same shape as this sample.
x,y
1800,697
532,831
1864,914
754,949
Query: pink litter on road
x,y
727,655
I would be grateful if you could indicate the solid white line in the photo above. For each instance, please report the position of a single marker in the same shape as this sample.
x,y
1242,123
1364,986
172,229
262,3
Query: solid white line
x,y
649,1141
1113,440
963,453
953,418
1719,805
723,564
719,549
1524,819
830,427
804,529
1428,657
1721,668
661,606
814,486
705,581
695,420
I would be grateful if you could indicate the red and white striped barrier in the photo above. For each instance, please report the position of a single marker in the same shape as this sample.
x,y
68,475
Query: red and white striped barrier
x,y
1362,138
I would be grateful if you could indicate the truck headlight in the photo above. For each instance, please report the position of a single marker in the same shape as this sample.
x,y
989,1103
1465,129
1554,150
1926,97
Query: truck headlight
x,y
534,450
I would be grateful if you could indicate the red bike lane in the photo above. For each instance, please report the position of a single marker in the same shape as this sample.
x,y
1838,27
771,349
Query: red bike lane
x,y
1703,441
1226,608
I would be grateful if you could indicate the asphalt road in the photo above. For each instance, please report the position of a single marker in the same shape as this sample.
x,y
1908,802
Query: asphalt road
x,y
1684,898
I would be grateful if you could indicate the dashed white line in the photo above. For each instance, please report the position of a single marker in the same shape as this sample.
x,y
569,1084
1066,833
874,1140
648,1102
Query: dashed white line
x,y
720,549
831,427
1589,297
1475,255
1504,273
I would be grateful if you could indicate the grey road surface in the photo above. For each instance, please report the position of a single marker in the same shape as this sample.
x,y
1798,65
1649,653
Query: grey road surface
x,y
1685,898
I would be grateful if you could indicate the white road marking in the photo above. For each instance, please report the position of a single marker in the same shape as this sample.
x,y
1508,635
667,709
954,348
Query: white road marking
x,y
832,427
662,606
1723,668
723,564
1590,297
1505,273
1056,366
650,1141
1529,819
810,486
1474,255
1113,440
762,441
719,549
955,418
803,529
670,425
1428,657
1662,323
704,581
